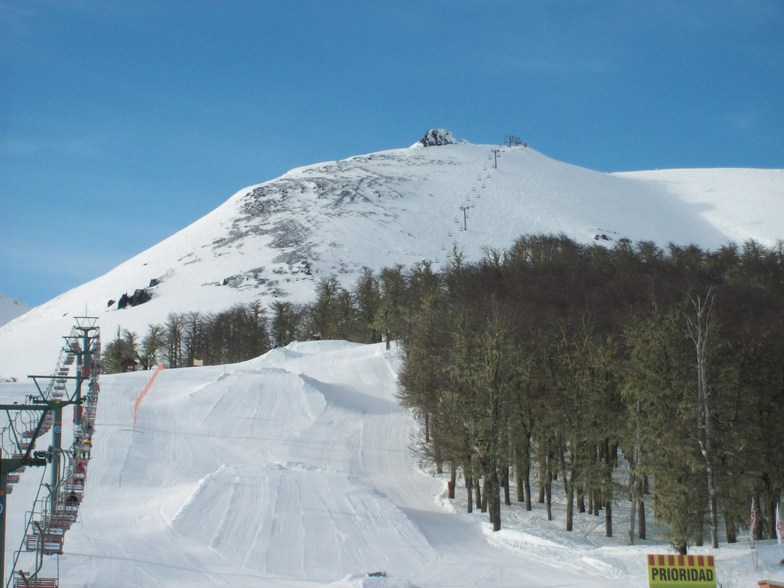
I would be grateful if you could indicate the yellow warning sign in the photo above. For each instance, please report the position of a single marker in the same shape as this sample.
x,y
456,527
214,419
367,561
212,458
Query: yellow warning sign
x,y
681,571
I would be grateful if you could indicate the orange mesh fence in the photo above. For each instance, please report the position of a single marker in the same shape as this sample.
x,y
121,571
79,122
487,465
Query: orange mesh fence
x,y
158,369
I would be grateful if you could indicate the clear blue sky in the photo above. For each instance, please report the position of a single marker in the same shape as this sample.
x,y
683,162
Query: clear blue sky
x,y
123,122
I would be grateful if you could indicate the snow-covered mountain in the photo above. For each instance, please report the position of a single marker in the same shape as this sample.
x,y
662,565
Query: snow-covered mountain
x,y
275,240
10,308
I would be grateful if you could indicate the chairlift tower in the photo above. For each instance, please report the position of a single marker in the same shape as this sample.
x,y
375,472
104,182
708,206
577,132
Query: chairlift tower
x,y
22,456
82,345
465,208
496,153
513,141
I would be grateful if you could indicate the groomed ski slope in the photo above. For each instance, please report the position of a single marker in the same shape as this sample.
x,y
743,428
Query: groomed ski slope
x,y
295,469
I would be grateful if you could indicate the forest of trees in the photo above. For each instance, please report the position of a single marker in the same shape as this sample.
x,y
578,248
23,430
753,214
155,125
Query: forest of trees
x,y
630,375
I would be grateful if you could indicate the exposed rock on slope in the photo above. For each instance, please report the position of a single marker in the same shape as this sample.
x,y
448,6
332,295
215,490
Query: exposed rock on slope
x,y
437,137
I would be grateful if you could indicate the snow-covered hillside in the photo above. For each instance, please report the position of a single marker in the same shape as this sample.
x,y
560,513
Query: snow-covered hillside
x,y
10,309
295,469
277,239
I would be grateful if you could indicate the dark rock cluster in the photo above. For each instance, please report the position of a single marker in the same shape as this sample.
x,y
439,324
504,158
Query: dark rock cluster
x,y
139,296
437,137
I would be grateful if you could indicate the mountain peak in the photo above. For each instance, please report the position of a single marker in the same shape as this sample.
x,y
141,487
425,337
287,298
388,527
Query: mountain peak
x,y
275,241
437,137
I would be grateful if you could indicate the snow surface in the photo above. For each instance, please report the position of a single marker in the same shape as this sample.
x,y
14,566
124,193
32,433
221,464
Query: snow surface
x,y
277,239
741,203
10,309
295,469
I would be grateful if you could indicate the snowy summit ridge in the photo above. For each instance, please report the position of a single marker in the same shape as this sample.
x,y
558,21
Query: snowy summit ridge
x,y
276,240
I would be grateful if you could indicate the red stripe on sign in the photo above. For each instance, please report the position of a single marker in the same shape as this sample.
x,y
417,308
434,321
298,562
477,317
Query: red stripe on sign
x,y
710,560
671,560
651,560
700,560
691,561
661,560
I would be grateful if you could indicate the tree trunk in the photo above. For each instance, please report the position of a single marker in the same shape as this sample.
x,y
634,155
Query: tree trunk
x,y
523,456
758,517
548,494
494,500
642,532
732,533
568,480
505,482
469,484
452,480
590,500
519,487
633,509
634,480
478,493
569,505
610,457
770,504
699,531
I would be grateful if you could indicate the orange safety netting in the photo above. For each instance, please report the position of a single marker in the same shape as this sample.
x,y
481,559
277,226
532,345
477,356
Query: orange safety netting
x,y
158,369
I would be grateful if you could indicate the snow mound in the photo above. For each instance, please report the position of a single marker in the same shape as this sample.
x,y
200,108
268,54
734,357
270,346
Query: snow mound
x,y
371,580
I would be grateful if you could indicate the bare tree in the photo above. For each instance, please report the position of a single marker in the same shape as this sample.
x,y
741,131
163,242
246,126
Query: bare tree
x,y
699,326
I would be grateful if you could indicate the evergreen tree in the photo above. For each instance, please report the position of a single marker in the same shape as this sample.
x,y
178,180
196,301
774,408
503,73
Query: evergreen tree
x,y
123,347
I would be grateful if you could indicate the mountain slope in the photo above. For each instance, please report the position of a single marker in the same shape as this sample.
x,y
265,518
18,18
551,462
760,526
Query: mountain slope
x,y
277,239
10,309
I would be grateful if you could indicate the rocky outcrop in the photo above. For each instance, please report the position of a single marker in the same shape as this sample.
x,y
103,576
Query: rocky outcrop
x,y
139,296
437,137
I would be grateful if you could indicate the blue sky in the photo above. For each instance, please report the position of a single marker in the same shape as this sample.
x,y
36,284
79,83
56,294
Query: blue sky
x,y
123,122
